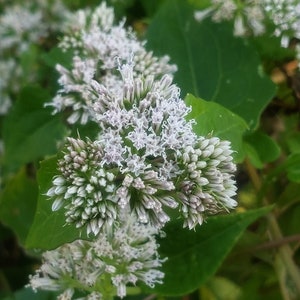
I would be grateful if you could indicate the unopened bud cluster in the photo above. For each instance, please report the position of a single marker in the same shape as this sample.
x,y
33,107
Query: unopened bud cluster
x,y
206,187
24,24
84,187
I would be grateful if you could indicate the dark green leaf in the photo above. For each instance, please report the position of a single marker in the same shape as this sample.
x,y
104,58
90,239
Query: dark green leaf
x,y
261,149
18,202
29,294
293,167
289,221
289,196
28,62
49,229
58,56
30,130
293,142
194,256
212,63
212,118
151,7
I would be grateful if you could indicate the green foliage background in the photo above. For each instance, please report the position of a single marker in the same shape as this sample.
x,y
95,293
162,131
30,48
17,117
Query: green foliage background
x,y
226,81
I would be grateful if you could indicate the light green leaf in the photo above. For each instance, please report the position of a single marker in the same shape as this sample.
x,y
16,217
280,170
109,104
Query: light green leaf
x,y
49,229
260,148
212,63
194,256
212,118
30,130
18,202
220,288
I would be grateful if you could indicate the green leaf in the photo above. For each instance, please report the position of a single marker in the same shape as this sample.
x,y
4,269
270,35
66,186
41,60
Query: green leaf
x,y
30,130
29,294
28,62
194,256
293,142
212,118
57,56
220,288
289,196
260,148
49,229
151,7
18,202
289,221
212,63
293,167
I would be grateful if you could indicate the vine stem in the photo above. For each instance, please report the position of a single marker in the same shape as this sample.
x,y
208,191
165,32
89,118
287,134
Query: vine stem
x,y
284,251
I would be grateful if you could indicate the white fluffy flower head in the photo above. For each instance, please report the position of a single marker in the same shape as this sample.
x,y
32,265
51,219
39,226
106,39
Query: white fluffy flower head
x,y
98,46
125,253
145,157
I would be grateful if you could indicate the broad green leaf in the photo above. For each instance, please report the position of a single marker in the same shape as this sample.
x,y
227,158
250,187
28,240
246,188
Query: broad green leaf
x,y
212,118
18,202
212,63
194,256
260,148
49,229
30,130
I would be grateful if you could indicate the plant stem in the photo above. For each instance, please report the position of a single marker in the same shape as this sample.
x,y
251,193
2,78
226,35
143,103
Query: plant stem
x,y
284,251
107,289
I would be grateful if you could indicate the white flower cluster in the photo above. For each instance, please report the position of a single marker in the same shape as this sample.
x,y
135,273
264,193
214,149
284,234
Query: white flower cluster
x,y
98,46
21,26
253,15
123,254
248,15
145,161
146,157
286,17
